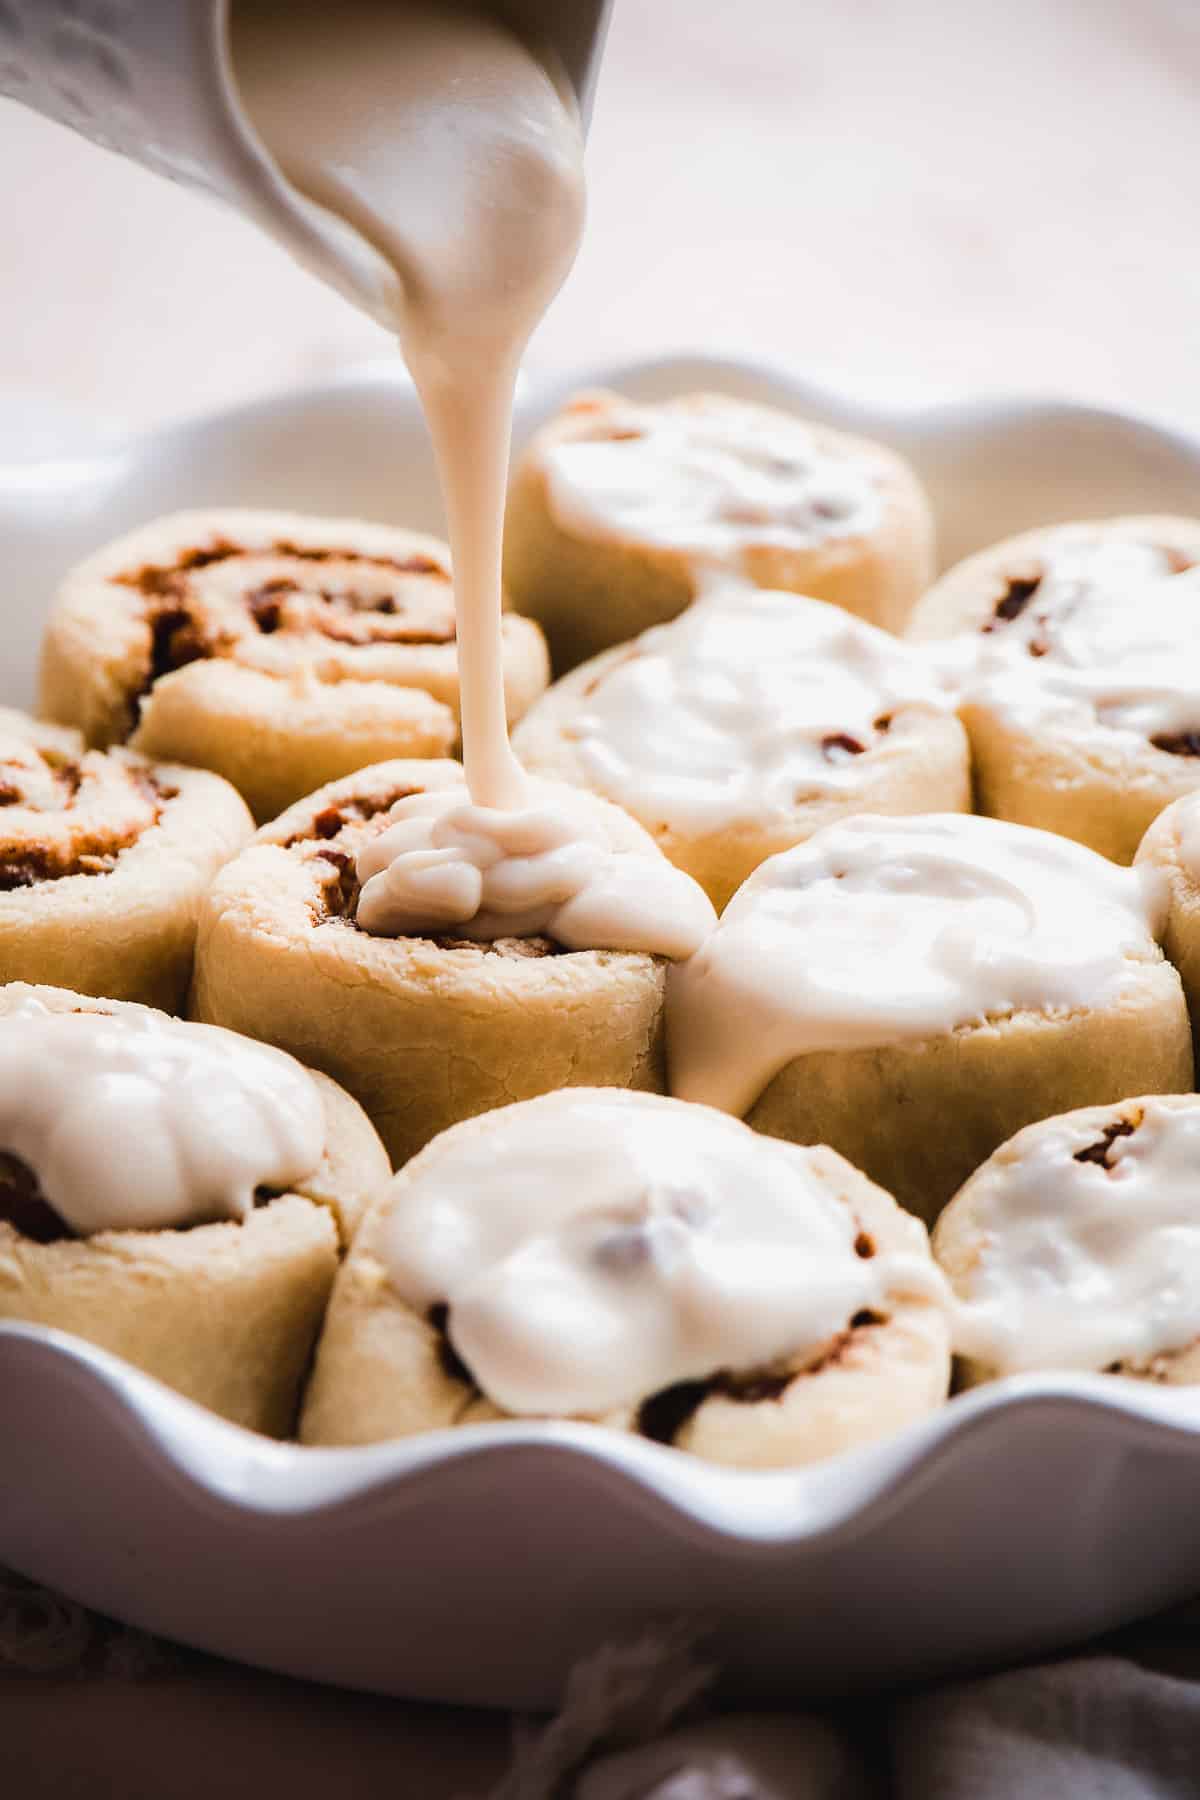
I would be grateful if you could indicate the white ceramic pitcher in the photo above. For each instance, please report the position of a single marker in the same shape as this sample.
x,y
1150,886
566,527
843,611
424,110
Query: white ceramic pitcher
x,y
153,79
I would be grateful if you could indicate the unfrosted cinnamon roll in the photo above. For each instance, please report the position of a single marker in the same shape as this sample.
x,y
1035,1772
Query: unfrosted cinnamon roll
x,y
205,1254
913,991
281,651
1170,854
746,724
305,941
619,508
1077,1246
103,859
1076,649
638,1263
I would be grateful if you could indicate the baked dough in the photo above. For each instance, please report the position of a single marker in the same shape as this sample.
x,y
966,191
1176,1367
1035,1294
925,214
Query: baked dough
x,y
382,1371
924,1114
1068,1181
1170,854
1082,765
912,991
748,723
598,558
225,1314
280,650
103,859
422,1031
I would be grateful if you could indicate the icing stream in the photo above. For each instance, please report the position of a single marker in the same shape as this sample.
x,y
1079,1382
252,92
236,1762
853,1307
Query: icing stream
x,y
440,137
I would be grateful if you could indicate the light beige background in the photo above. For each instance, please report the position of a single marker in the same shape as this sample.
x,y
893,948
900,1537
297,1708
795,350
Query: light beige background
x,y
935,196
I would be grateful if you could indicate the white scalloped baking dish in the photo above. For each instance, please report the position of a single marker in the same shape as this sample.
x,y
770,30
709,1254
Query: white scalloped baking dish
x,y
475,1566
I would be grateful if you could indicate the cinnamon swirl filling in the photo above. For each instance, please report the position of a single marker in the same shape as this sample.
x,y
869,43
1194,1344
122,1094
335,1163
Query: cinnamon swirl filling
x,y
279,607
67,811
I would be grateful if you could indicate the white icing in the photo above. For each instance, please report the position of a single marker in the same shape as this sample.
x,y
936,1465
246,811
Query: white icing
x,y
444,864
445,141
745,706
592,1253
879,929
1083,1266
139,1123
1109,639
711,477
441,138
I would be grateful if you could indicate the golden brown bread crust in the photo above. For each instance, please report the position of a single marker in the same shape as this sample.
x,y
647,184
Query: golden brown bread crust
x,y
588,594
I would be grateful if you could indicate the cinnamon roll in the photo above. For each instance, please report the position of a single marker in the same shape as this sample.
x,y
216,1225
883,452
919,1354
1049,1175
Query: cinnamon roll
x,y
746,724
618,509
313,939
103,859
1077,1246
1169,859
206,1259
1077,652
637,1263
279,650
914,991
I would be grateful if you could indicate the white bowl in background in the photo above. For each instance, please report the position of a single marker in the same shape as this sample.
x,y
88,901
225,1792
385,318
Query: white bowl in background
x,y
477,1565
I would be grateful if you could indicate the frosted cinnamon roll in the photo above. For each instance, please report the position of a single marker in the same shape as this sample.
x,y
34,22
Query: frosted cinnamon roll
x,y
650,1266
174,1194
438,960
1077,652
1077,1246
618,509
103,859
913,991
746,724
279,650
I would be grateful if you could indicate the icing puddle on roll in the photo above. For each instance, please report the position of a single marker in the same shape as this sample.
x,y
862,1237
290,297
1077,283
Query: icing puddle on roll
x,y
443,139
445,863
709,478
1103,633
1078,1244
879,929
206,1116
745,702
637,1249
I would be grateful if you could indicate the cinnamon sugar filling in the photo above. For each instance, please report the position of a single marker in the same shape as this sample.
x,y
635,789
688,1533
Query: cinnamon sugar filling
x,y
1098,1152
69,794
23,1205
412,604
663,1416
26,1209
